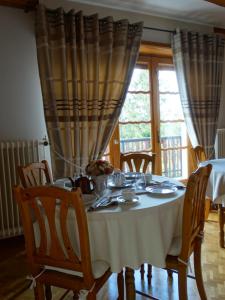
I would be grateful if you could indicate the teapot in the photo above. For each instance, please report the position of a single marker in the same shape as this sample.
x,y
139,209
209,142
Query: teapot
x,y
86,185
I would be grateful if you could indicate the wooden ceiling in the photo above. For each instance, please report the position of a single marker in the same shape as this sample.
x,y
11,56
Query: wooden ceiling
x,y
217,2
24,4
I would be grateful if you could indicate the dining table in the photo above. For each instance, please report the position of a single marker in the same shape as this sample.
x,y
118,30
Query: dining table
x,y
130,233
216,191
216,184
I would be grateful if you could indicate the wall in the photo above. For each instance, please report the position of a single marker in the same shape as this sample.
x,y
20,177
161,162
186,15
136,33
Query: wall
x,y
149,21
21,114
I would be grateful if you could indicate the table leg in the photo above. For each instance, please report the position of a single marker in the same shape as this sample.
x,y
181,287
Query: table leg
x,y
130,285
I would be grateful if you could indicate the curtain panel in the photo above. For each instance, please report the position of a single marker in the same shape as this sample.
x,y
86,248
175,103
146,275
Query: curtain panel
x,y
85,66
199,63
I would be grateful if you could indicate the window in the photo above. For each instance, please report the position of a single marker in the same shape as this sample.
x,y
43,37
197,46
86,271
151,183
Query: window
x,y
152,118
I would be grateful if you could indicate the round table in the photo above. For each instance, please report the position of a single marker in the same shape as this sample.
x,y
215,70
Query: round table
x,y
129,235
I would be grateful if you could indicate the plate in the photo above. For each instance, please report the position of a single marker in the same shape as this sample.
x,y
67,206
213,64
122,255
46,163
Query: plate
x,y
121,200
125,185
161,190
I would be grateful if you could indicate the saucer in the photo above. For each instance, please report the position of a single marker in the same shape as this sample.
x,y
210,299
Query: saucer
x,y
121,200
124,185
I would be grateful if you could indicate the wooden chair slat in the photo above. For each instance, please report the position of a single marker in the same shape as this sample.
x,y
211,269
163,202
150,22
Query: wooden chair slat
x,y
34,174
138,162
49,205
43,235
65,236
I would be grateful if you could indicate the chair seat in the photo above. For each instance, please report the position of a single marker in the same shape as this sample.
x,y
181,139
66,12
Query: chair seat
x,y
99,267
175,247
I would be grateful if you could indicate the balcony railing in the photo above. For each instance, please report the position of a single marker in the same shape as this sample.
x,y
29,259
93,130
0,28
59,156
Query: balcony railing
x,y
171,152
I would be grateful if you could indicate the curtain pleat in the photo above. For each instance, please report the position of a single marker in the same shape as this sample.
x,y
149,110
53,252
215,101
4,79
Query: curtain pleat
x,y
85,66
199,62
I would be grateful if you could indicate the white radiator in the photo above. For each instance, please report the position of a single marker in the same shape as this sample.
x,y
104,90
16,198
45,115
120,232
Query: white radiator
x,y
220,143
13,154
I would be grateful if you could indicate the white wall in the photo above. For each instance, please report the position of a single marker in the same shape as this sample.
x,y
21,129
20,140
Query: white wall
x,y
149,21
21,113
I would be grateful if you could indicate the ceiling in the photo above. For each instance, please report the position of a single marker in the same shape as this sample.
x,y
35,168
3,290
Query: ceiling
x,y
195,11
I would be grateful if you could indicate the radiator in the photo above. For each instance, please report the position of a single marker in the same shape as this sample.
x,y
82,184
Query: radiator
x,y
220,143
13,154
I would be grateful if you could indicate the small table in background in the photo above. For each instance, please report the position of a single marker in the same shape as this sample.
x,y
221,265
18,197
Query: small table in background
x,y
216,190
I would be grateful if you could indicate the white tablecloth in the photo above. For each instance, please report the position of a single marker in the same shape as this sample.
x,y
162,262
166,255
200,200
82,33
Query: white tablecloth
x,y
128,235
216,184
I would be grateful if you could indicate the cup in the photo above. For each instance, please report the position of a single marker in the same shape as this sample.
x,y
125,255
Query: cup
x,y
128,194
119,179
148,178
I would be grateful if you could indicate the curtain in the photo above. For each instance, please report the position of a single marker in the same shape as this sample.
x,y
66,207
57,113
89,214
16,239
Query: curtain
x,y
199,60
85,66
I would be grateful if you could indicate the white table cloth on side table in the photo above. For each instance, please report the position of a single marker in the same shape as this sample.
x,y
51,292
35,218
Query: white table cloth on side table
x,y
216,184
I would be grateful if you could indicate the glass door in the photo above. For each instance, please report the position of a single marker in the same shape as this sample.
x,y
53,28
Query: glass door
x,y
152,120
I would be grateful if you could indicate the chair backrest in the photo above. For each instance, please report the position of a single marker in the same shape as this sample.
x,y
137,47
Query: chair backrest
x,y
137,162
35,174
194,210
198,154
50,216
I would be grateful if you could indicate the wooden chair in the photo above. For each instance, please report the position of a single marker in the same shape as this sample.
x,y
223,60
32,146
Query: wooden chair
x,y
52,258
198,154
137,162
34,174
192,232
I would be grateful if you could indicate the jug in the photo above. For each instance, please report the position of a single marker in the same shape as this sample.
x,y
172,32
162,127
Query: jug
x,y
86,185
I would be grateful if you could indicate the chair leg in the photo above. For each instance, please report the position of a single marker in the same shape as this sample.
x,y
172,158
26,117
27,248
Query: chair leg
x,y
198,271
149,273
120,285
169,273
142,271
39,292
48,292
182,283
221,223
75,296
130,285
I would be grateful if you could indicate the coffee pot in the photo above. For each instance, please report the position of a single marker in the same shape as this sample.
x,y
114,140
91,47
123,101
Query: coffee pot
x,y
86,185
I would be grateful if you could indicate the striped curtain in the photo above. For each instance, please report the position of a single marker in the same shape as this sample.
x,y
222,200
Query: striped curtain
x,y
199,63
85,66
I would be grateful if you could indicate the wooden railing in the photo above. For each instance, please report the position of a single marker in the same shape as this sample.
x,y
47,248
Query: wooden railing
x,y
171,152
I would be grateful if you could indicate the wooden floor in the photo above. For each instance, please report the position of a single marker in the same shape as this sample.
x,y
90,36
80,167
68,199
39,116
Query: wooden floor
x,y
13,283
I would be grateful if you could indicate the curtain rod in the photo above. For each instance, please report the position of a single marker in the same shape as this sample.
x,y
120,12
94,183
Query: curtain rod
x,y
159,29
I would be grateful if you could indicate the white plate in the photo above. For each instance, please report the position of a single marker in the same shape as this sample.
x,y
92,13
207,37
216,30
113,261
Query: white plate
x,y
161,190
121,200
